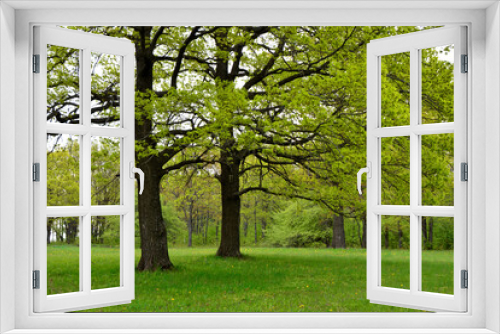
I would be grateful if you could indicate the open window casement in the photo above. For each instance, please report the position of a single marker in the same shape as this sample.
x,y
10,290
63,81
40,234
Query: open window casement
x,y
84,109
404,131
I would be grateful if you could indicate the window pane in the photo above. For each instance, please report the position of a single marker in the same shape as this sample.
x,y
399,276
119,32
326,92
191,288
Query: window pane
x,y
105,252
395,232
437,254
105,171
63,85
437,84
395,174
105,83
63,170
63,255
437,169
395,89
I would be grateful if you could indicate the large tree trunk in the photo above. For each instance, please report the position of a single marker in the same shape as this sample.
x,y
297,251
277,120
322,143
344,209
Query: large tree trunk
x,y
154,253
338,238
231,205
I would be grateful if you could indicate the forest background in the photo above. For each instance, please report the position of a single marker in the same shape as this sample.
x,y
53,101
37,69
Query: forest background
x,y
250,137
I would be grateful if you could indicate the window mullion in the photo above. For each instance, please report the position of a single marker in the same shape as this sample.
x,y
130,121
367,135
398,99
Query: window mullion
x,y
414,173
85,244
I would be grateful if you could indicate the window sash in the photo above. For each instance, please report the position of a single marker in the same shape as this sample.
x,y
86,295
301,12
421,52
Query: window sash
x,y
86,297
414,298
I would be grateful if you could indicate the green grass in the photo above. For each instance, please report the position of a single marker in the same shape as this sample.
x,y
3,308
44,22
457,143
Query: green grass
x,y
266,280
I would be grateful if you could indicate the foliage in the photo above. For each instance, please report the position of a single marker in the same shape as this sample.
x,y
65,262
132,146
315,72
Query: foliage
x,y
300,224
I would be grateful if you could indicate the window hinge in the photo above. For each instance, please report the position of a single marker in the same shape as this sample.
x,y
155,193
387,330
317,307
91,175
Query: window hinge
x,y
465,279
36,172
36,279
465,64
36,63
464,171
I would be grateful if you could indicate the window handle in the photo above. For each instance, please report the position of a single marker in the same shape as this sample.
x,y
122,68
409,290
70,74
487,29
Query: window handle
x,y
368,171
134,170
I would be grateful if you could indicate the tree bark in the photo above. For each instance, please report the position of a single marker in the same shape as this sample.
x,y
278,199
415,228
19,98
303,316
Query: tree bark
x,y
231,206
154,251
338,239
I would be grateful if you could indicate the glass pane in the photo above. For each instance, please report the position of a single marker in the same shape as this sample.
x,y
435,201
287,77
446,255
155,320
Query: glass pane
x,y
105,252
395,89
105,171
395,232
63,85
105,83
63,255
437,254
395,174
437,169
63,170
437,84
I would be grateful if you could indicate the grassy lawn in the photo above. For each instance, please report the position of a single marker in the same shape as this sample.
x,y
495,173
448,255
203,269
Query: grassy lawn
x,y
266,280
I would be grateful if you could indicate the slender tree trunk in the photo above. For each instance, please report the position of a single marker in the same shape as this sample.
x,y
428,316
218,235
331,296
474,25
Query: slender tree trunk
x,y
424,232
154,251
363,240
197,221
386,237
231,206
49,230
190,225
263,225
431,234
338,239
245,228
360,237
206,229
400,236
217,230
255,218
333,235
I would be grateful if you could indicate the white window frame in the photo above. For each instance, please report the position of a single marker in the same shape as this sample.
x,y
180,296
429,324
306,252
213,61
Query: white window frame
x,y
483,20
